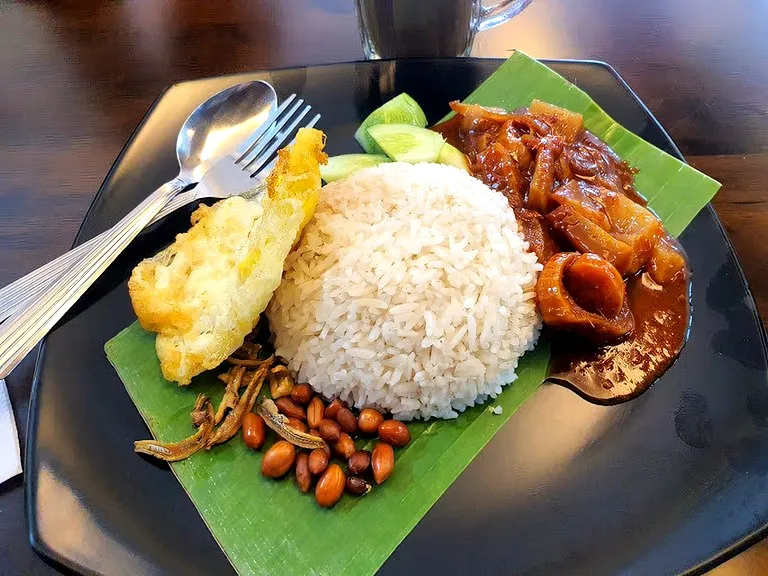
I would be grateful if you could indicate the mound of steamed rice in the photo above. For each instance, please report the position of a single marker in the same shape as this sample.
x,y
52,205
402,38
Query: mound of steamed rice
x,y
411,290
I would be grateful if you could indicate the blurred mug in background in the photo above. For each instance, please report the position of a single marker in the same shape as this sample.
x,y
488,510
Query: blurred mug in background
x,y
428,28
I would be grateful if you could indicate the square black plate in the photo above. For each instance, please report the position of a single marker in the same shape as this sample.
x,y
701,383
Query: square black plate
x,y
673,481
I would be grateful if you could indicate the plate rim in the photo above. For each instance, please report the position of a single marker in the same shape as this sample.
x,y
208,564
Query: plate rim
x,y
30,477
762,532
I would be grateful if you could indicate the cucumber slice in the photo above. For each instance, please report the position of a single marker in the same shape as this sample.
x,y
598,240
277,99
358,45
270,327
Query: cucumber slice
x,y
402,109
339,167
406,143
452,156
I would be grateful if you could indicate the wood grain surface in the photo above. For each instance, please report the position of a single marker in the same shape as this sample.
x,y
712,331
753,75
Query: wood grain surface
x,y
77,77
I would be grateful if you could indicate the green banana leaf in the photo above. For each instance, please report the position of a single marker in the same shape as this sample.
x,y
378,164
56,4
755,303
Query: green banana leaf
x,y
269,527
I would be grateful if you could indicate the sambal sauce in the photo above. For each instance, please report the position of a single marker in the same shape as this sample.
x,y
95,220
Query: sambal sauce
x,y
614,292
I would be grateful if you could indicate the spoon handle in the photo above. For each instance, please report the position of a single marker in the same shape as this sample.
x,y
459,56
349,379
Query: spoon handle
x,y
13,296
22,331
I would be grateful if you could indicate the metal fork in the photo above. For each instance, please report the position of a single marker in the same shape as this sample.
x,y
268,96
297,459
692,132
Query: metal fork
x,y
228,176
262,143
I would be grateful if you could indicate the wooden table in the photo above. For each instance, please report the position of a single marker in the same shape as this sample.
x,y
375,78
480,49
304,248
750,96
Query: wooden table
x,y
76,78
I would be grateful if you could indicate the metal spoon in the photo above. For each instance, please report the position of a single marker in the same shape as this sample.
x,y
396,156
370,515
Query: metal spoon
x,y
222,123
217,127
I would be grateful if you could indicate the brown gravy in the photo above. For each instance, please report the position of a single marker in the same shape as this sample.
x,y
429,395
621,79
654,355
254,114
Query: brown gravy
x,y
606,374
620,372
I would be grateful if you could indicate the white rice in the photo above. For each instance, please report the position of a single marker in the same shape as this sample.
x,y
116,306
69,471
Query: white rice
x,y
410,290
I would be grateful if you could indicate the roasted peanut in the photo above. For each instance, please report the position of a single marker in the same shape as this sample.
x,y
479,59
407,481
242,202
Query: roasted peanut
x,y
330,487
318,461
357,486
369,419
297,424
315,412
329,430
345,447
278,459
254,431
301,394
394,432
347,420
280,382
289,408
303,477
358,463
333,409
382,461
314,432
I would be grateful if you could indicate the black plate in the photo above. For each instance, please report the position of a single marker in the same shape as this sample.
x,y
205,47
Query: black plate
x,y
672,481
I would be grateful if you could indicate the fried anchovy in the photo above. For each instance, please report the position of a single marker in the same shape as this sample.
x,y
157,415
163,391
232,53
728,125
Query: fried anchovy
x,y
231,396
247,362
252,350
234,418
199,410
174,451
279,423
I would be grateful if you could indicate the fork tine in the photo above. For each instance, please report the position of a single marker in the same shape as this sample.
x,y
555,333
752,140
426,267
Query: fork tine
x,y
249,144
274,129
279,139
312,124
271,165
259,160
